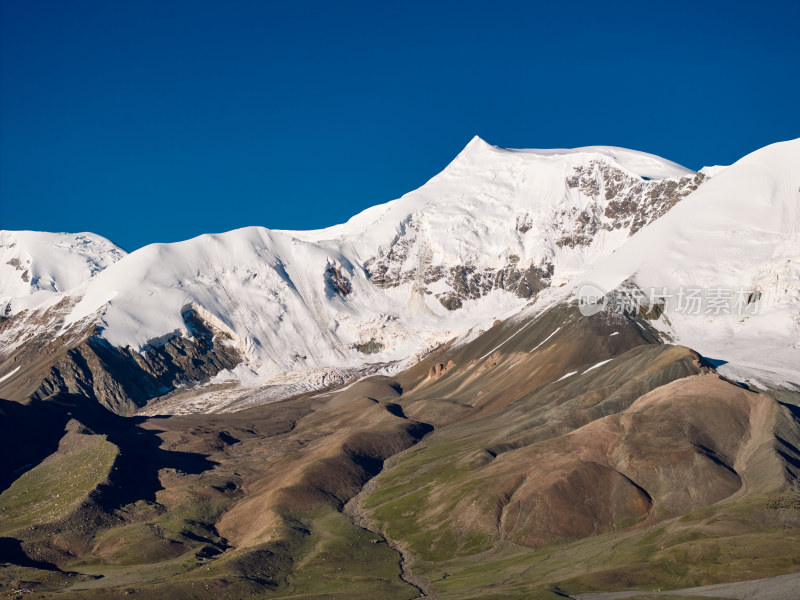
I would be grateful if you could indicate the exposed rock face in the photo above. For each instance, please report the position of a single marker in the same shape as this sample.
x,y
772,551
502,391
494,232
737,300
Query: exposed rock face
x,y
459,282
15,262
337,281
373,346
122,379
621,201
599,197
471,283
439,368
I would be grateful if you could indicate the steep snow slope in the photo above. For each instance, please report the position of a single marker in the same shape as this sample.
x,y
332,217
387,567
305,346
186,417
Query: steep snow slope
x,y
465,209
737,239
478,242
276,297
511,217
36,267
475,243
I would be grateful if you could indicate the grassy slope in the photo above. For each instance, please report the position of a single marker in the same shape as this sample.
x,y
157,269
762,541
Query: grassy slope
x,y
260,515
273,481
58,485
433,499
750,537
327,557
669,555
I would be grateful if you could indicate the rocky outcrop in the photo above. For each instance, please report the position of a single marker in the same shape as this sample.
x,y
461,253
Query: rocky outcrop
x,y
599,197
620,201
15,262
461,282
373,346
470,283
337,281
438,369
123,380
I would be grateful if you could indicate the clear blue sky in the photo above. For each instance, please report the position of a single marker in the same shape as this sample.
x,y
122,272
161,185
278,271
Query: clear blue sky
x,y
158,120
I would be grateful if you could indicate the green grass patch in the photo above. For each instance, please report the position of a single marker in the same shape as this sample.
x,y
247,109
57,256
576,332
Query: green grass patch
x,y
342,560
57,486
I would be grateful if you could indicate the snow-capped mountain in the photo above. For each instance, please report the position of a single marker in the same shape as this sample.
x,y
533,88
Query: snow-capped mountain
x,y
37,266
478,242
475,243
494,220
727,261
516,417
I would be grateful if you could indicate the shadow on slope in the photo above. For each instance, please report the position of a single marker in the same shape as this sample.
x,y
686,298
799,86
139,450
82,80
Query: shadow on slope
x,y
131,476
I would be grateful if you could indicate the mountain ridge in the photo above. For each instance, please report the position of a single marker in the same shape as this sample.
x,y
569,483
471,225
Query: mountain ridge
x,y
478,242
423,403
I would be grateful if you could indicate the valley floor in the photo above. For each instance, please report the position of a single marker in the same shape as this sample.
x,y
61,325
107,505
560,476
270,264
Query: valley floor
x,y
548,458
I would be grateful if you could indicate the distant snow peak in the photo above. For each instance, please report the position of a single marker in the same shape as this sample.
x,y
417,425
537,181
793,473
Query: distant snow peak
x,y
36,266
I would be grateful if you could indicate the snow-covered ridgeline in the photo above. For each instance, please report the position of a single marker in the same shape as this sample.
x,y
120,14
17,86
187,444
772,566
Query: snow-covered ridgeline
x,y
740,232
36,266
381,287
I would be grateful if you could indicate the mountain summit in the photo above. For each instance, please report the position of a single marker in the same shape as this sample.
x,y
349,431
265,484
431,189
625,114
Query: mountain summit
x,y
494,232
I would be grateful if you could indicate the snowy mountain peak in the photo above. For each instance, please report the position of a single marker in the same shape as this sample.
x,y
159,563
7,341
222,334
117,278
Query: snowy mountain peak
x,y
495,231
641,164
478,144
478,241
735,245
35,266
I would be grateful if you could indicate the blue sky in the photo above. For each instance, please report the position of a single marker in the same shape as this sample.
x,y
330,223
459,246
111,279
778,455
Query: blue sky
x,y
155,121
